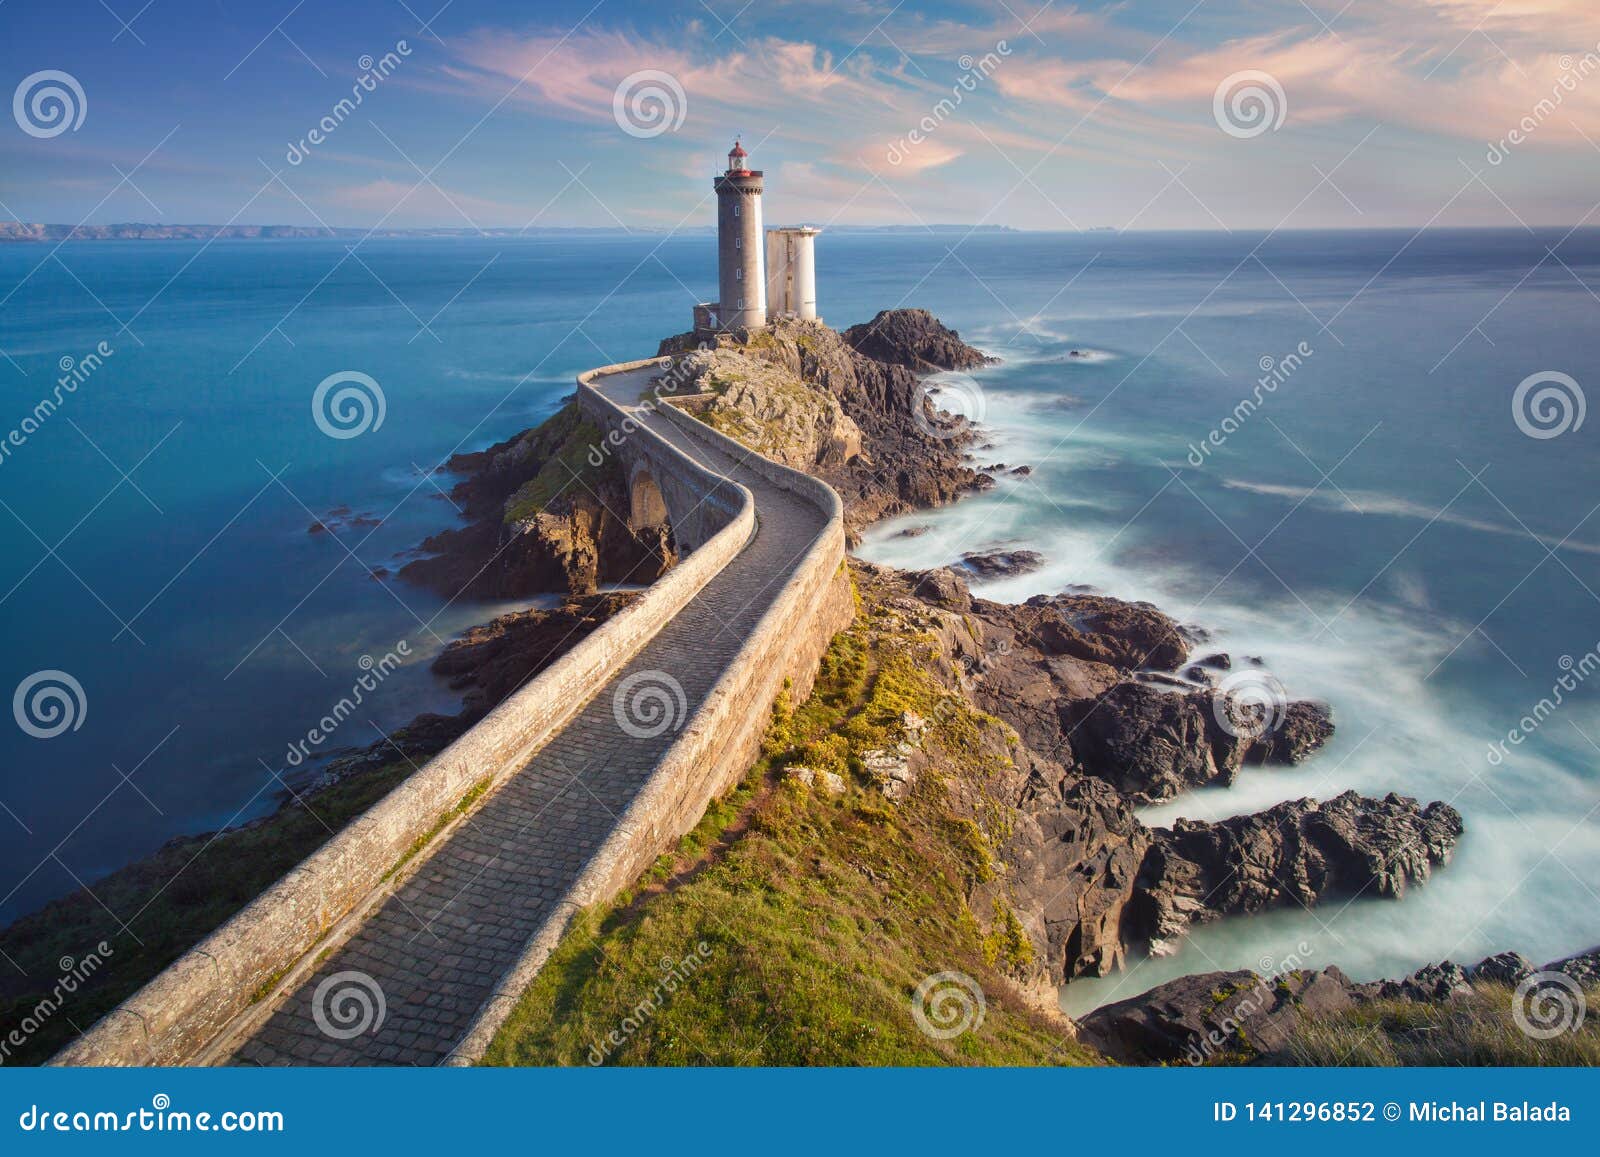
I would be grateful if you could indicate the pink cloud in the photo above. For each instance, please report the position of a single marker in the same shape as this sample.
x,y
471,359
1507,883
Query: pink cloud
x,y
1327,78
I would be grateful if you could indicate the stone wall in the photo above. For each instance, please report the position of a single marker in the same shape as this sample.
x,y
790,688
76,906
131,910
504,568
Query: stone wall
x,y
215,986
721,740
172,1018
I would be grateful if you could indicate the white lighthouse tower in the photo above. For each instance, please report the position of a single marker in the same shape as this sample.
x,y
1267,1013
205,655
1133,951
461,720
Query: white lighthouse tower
x,y
741,275
792,273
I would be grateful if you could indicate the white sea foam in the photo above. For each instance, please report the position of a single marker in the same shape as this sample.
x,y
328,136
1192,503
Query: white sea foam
x,y
1399,729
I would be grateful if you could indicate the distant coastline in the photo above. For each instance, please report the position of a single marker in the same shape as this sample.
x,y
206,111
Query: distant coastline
x,y
20,231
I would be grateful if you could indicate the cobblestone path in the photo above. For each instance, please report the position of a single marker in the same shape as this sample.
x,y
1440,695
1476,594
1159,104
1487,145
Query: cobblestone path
x,y
437,947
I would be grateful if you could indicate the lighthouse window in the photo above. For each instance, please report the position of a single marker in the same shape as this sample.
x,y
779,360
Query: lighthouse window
x,y
736,208
738,274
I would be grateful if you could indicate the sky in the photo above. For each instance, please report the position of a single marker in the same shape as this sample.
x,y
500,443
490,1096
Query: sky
x,y
1156,114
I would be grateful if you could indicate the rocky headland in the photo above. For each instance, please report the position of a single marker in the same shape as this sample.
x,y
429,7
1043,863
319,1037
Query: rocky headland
x,y
1104,705
966,777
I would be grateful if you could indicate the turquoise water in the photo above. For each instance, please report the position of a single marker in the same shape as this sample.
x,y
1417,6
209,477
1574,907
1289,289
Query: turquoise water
x,y
1426,604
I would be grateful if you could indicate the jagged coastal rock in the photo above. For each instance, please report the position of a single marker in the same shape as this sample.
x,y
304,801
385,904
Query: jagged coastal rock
x,y
1092,885
542,517
491,661
915,339
989,564
1294,853
895,455
1242,1016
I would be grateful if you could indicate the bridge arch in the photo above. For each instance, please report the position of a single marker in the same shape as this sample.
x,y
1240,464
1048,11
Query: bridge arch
x,y
647,506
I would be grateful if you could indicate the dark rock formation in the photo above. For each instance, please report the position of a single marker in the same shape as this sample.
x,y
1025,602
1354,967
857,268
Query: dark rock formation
x,y
1295,853
1584,967
915,339
908,458
1074,853
942,587
1151,744
491,661
1092,885
1305,727
1000,563
1503,968
541,519
1213,1016
1098,629
1154,744
1242,1017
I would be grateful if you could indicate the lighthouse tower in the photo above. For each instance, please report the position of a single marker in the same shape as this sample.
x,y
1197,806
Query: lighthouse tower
x,y
741,273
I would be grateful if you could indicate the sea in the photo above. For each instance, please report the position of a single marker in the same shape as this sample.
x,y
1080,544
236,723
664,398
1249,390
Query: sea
x,y
1359,457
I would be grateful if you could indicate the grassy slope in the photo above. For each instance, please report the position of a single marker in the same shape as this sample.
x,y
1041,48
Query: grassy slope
x,y
791,927
565,440
1477,1030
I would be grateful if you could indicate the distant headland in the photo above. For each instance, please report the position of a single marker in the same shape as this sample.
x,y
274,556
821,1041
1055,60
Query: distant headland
x,y
141,231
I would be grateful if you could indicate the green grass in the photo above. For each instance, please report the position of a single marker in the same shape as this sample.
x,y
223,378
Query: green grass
x,y
568,438
791,927
1475,1030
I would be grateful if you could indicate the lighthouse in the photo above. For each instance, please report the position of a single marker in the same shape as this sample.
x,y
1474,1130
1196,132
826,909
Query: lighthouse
x,y
741,273
762,276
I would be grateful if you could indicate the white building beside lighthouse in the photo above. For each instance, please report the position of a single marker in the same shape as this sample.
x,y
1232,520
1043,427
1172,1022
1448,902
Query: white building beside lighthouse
x,y
792,273
762,275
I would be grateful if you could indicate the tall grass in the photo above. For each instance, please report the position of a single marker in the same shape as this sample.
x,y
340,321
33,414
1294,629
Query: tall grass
x,y
1476,1030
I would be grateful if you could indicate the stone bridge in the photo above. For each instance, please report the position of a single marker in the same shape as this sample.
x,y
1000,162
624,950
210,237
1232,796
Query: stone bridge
x,y
409,936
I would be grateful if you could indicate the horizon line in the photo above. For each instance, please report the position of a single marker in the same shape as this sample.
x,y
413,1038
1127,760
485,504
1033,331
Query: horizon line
x,y
10,232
